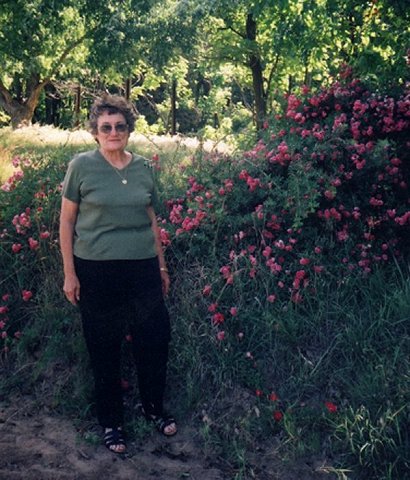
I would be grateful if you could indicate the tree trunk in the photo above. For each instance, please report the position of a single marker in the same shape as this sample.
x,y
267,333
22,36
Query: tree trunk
x,y
21,111
290,84
77,105
52,102
21,115
255,64
127,89
174,107
216,121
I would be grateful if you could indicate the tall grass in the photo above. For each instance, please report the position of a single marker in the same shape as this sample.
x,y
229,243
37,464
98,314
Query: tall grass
x,y
328,377
349,346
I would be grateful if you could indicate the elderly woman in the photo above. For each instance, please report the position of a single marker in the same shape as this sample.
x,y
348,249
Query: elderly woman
x,y
114,267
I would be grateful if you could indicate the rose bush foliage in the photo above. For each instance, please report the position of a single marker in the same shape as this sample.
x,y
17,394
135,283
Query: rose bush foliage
x,y
29,252
323,194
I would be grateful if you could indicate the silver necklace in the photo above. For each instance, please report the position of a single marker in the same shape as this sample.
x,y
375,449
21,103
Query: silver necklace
x,y
124,180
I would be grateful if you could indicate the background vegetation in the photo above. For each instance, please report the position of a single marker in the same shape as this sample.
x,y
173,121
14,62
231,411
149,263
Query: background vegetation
x,y
190,65
287,245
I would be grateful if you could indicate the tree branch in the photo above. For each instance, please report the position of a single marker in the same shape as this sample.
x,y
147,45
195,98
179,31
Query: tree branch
x,y
272,71
233,30
64,55
5,97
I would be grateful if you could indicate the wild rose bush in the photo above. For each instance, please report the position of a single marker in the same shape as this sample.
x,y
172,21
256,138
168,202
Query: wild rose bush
x,y
322,196
269,248
29,251
324,192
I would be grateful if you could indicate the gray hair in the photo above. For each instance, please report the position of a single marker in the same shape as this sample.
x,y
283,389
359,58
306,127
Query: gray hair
x,y
111,104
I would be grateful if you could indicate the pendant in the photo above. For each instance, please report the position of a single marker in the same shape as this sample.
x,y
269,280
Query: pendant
x,y
124,181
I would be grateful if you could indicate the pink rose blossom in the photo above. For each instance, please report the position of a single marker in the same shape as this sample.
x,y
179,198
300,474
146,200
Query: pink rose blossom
x,y
220,336
206,290
33,244
331,407
16,247
26,295
296,297
212,308
277,415
267,252
218,318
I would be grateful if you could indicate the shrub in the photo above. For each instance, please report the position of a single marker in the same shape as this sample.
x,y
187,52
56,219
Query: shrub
x,y
328,194
285,256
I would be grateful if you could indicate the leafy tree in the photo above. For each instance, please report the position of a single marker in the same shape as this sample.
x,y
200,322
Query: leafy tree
x,y
270,45
41,39
287,42
262,36
372,37
170,42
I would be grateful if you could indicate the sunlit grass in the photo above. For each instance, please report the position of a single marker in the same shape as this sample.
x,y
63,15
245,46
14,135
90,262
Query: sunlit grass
x,y
173,149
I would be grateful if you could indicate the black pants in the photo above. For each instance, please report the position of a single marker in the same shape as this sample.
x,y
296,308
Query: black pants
x,y
119,297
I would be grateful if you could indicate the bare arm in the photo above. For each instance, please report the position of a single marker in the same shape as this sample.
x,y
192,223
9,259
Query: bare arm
x,y
68,217
160,253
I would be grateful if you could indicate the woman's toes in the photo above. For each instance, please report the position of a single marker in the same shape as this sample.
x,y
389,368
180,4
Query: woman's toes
x,y
170,429
118,448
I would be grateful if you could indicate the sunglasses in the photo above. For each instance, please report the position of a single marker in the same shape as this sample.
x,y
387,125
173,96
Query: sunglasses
x,y
119,128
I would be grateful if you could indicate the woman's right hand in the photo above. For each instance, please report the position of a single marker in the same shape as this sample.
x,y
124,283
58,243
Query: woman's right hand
x,y
72,288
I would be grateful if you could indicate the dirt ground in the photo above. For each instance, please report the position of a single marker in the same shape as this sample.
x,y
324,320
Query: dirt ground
x,y
36,444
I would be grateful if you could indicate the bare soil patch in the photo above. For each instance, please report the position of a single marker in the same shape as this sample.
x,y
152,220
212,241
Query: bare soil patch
x,y
37,444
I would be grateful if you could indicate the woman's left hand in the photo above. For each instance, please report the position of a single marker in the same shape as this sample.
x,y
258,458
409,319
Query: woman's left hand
x,y
165,282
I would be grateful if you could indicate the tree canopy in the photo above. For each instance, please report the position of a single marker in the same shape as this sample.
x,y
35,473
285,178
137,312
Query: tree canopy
x,y
244,51
43,40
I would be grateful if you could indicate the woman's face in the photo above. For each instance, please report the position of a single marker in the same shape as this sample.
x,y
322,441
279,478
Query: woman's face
x,y
110,138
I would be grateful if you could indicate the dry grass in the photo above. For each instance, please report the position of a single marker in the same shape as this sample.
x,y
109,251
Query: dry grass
x,y
37,137
48,135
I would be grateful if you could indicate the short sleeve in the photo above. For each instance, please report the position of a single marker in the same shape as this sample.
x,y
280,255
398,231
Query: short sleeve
x,y
71,183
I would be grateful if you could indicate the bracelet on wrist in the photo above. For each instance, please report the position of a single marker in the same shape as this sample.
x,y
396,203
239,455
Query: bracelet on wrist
x,y
163,269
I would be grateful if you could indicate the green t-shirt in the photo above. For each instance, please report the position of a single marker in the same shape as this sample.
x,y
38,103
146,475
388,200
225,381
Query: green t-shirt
x,y
112,221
